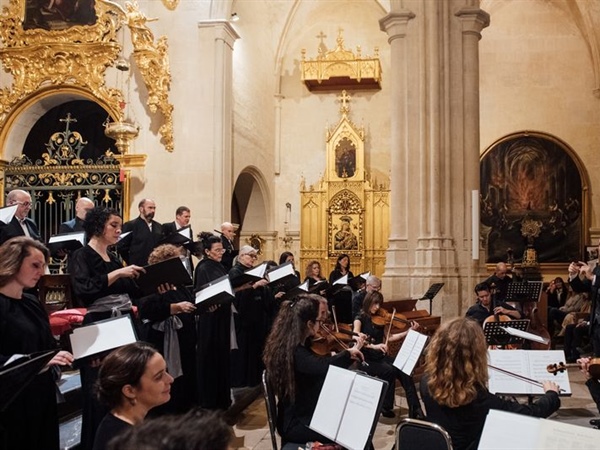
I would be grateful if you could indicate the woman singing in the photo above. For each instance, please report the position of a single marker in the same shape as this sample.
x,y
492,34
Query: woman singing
x,y
214,331
294,371
454,386
31,420
380,363
107,289
172,330
342,267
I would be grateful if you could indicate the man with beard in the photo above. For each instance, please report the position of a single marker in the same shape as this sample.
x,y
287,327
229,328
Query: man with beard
x,y
145,235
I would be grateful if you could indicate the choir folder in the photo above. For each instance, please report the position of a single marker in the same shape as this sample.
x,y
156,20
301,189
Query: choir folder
x,y
171,271
348,407
66,242
102,336
216,292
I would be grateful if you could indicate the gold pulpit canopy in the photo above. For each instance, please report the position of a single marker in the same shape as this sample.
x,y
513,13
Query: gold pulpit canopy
x,y
341,69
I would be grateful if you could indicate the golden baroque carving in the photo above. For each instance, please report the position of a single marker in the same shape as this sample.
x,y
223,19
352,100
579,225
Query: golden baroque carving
x,y
170,4
153,61
77,56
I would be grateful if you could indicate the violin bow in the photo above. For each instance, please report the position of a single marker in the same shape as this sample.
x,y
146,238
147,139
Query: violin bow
x,y
520,377
334,319
390,328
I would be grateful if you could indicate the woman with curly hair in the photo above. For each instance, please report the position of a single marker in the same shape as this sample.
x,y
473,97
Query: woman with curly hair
x,y
294,371
106,288
171,328
454,389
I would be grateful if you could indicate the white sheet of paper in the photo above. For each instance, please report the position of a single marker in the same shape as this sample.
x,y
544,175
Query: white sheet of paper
x,y
523,431
102,336
332,402
342,280
280,272
411,350
7,214
565,436
525,335
124,235
529,363
214,289
258,271
68,237
186,232
360,411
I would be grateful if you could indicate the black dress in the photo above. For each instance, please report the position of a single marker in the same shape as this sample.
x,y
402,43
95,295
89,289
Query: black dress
x,y
465,423
157,308
89,279
310,371
251,322
110,427
31,419
214,342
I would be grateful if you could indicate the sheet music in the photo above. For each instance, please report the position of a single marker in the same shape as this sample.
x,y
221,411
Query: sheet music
x,y
332,402
362,404
7,214
411,350
525,335
68,237
124,235
529,363
523,431
280,272
101,336
534,434
258,271
342,280
186,232
214,289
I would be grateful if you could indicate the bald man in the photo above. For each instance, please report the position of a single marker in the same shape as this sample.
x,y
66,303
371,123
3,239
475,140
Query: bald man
x,y
20,225
499,283
227,236
145,235
82,206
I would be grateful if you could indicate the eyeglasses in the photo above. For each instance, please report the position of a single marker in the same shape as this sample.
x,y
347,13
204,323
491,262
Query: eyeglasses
x,y
25,204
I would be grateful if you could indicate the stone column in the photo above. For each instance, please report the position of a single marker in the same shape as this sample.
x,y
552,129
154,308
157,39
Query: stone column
x,y
223,36
395,25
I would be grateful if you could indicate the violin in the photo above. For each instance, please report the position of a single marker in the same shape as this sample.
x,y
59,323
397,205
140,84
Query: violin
x,y
382,318
593,368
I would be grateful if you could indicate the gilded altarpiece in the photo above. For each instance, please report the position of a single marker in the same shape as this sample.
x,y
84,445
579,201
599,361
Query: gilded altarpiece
x,y
345,212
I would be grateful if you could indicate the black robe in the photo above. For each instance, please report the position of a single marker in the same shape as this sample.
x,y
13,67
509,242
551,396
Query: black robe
x,y
214,341
89,279
31,419
251,322
156,308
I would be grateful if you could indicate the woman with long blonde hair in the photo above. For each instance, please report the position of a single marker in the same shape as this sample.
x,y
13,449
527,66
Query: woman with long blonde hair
x,y
454,390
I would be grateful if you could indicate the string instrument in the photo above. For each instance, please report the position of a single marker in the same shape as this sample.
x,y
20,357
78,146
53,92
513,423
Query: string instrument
x,y
335,344
537,327
593,368
383,318
499,318
343,331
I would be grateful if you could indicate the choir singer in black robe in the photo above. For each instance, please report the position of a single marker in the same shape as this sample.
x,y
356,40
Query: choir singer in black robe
x,y
214,331
30,421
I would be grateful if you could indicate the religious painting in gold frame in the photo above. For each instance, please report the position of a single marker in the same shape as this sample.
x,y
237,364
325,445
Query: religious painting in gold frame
x,y
54,15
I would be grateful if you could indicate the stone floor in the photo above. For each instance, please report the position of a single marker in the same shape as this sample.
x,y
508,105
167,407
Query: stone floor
x,y
252,429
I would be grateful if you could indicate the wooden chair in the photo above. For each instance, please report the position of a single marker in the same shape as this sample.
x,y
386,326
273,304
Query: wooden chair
x,y
414,434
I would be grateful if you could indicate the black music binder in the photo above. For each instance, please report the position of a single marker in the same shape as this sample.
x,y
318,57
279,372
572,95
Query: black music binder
x,y
171,271
16,375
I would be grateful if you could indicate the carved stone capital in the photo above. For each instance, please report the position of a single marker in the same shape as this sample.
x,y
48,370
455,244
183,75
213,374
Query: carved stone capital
x,y
395,23
473,20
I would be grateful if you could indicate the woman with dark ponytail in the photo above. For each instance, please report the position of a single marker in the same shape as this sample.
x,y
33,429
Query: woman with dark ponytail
x,y
214,328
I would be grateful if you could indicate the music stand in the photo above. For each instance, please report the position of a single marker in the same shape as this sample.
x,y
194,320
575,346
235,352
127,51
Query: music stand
x,y
495,335
527,291
432,292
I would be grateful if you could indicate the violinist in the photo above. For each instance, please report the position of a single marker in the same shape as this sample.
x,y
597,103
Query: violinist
x,y
483,308
295,373
380,364
592,383
453,387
